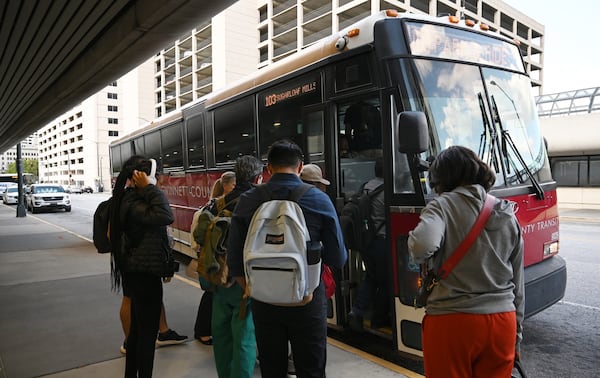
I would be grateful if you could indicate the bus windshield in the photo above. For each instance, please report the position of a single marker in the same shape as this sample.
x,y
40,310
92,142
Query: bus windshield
x,y
483,109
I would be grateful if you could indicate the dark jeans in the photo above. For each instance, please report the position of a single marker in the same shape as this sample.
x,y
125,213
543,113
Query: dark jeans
x,y
146,300
306,329
203,317
374,289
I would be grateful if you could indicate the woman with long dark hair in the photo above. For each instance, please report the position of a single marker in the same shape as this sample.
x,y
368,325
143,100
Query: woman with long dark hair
x,y
141,256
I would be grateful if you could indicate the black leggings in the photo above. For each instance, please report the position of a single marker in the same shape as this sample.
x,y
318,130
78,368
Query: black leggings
x,y
146,301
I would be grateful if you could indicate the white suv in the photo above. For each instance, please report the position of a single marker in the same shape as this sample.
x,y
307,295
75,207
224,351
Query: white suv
x,y
47,196
10,195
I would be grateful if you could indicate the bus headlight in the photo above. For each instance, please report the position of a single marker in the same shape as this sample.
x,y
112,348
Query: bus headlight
x,y
550,248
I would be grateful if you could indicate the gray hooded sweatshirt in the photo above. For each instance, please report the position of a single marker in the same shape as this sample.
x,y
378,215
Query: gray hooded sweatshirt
x,y
489,278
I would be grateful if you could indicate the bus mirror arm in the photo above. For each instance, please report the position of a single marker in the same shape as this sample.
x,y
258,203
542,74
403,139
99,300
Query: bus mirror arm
x,y
422,165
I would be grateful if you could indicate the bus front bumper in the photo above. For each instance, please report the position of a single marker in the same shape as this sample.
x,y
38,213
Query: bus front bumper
x,y
545,284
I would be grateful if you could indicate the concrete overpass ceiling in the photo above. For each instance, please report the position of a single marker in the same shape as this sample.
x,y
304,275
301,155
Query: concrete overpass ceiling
x,y
54,54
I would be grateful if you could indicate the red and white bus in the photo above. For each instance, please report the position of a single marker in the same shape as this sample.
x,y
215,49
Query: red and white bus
x,y
343,100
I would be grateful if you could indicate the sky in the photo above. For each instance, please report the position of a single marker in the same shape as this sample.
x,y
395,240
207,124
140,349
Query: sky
x,y
572,49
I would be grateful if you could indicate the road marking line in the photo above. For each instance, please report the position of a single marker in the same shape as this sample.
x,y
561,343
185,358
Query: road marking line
x,y
61,228
580,305
187,280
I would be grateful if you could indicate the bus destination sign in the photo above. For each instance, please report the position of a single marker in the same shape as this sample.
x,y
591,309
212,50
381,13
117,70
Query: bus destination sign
x,y
451,43
289,92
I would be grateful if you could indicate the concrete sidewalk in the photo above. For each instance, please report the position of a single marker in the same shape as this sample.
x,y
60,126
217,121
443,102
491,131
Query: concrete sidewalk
x,y
579,215
59,318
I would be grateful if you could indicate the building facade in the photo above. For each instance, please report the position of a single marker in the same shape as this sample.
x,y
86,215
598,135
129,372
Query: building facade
x,y
73,149
29,151
255,33
211,56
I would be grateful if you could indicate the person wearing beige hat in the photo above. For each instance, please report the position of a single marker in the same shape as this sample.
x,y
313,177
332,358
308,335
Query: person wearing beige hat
x,y
312,174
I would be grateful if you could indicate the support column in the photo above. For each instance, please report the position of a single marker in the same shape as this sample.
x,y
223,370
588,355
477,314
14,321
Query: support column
x,y
21,210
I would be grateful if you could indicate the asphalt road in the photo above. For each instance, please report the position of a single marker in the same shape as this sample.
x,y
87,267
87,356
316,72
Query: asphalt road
x,y
562,341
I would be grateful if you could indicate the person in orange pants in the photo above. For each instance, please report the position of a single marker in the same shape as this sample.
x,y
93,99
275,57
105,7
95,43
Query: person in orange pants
x,y
472,326
481,345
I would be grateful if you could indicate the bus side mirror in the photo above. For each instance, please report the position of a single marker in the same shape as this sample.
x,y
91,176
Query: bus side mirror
x,y
412,132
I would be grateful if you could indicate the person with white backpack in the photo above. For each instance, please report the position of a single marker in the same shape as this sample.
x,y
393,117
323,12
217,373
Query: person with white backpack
x,y
280,233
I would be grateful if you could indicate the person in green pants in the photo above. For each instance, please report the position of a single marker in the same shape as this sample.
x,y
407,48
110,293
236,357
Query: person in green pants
x,y
233,333
234,341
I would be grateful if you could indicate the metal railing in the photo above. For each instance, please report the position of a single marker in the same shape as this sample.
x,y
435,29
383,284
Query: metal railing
x,y
579,101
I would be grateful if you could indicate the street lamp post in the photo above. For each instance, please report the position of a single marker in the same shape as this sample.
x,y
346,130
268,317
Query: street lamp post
x,y
101,184
69,167
21,211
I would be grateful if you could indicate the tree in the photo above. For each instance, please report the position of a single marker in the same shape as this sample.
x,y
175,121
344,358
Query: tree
x,y
29,166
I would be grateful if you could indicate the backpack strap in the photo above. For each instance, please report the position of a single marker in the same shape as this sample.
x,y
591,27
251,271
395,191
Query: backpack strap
x,y
375,191
264,192
222,205
372,195
300,191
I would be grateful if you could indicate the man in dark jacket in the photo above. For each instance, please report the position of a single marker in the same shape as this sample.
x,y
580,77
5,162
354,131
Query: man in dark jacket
x,y
374,289
304,326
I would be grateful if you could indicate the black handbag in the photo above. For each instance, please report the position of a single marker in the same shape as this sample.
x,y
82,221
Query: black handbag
x,y
430,278
428,282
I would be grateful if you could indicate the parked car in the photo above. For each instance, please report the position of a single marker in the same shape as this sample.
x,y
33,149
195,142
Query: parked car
x,y
73,189
11,195
87,189
3,186
47,196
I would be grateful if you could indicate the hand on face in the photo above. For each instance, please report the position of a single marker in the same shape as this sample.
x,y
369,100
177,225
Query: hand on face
x,y
140,179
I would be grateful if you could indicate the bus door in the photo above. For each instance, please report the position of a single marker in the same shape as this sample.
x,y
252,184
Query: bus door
x,y
405,280
315,151
359,144
410,192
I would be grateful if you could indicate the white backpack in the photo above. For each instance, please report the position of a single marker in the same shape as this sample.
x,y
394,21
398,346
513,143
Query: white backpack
x,y
282,266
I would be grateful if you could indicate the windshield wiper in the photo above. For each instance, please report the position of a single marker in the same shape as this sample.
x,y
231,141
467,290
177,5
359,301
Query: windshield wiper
x,y
507,140
483,138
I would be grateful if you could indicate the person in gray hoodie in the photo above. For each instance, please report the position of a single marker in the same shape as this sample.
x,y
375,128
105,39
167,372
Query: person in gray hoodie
x,y
472,326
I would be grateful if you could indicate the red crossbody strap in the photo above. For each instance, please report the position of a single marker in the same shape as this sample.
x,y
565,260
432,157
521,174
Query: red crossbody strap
x,y
468,241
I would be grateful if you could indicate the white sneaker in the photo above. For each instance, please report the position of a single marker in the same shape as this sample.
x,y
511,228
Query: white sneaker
x,y
291,366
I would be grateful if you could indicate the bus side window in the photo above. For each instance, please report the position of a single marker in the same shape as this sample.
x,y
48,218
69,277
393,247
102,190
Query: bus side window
x,y
234,130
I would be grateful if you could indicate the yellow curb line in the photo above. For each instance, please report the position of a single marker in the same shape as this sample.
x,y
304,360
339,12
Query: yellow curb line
x,y
379,361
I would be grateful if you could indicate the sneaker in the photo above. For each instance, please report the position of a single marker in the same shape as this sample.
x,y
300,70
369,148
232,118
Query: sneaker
x,y
291,366
355,322
124,347
169,337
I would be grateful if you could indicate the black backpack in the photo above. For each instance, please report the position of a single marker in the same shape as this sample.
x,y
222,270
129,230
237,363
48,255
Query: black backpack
x,y
356,221
101,218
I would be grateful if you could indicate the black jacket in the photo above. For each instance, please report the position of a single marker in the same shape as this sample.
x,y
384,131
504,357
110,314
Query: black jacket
x,y
145,242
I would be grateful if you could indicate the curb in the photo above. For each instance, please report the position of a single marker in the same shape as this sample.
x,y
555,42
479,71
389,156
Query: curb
x,y
569,218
